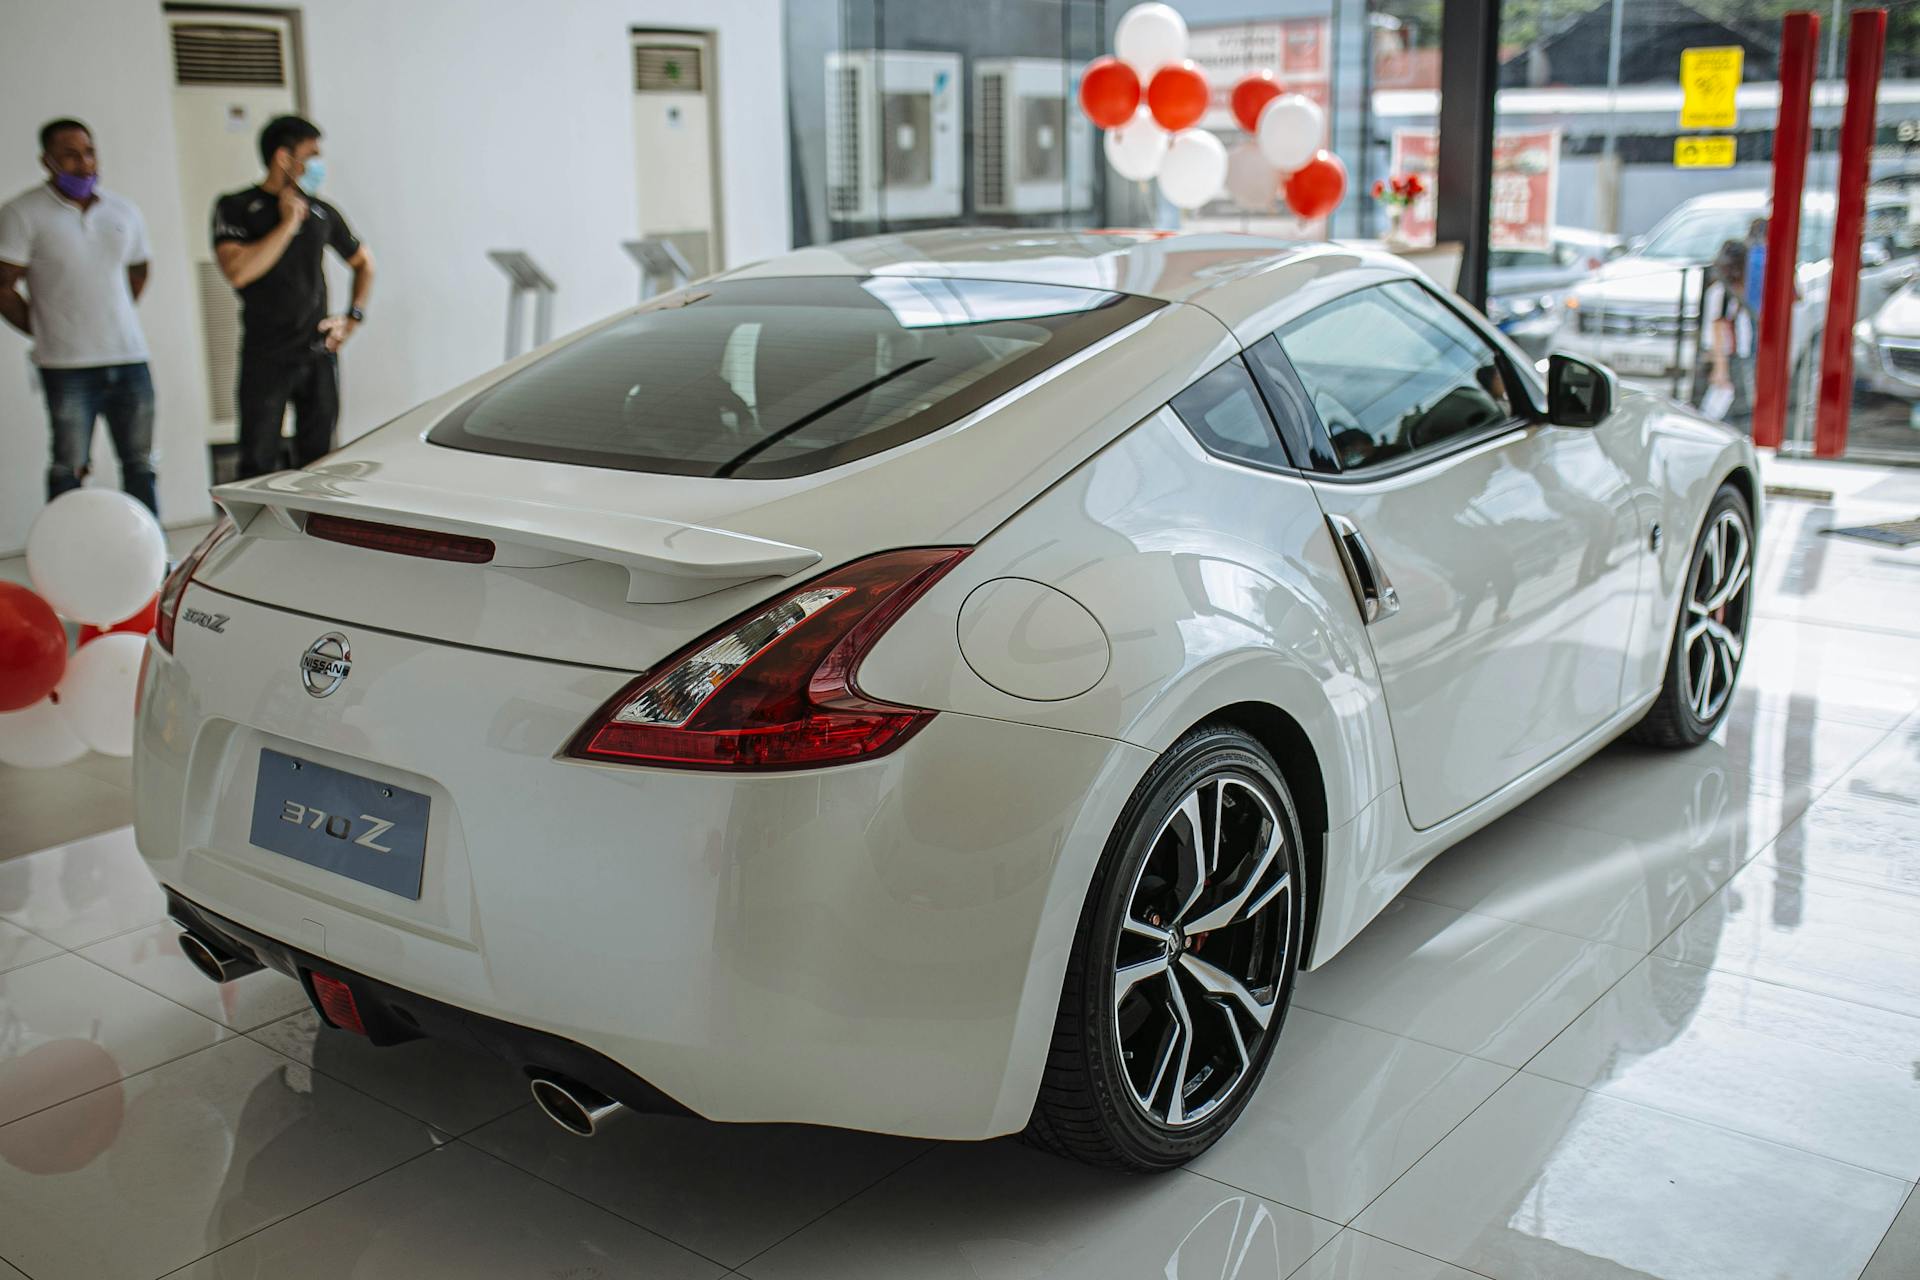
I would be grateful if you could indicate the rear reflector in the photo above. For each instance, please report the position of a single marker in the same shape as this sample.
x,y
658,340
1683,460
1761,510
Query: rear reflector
x,y
336,1002
400,540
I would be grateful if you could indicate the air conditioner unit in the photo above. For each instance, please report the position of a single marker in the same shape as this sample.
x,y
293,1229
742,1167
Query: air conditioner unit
x,y
232,72
1032,149
893,135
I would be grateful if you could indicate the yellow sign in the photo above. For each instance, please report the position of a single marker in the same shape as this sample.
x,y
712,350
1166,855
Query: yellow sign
x,y
1703,153
1708,81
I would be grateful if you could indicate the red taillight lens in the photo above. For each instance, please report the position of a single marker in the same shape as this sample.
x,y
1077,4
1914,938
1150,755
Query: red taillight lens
x,y
774,688
336,1002
175,586
400,540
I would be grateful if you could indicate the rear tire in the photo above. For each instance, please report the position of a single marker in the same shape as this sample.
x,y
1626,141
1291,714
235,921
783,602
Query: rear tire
x,y
1709,640
1182,969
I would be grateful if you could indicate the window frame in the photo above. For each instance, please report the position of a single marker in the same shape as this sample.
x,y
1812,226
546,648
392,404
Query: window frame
x,y
1261,401
1529,407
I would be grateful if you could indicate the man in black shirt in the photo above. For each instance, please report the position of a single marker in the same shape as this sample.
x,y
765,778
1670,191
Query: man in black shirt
x,y
270,240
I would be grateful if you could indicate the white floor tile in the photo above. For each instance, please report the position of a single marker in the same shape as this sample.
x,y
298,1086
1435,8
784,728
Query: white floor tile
x,y
1343,1111
452,1214
1003,1211
1593,884
152,958
1470,983
1852,837
67,1026
1898,1257
1550,1181
1353,1256
131,1181
82,892
1824,1075
1782,743
1671,801
1853,941
1890,774
724,1191
1835,673
453,1088
18,947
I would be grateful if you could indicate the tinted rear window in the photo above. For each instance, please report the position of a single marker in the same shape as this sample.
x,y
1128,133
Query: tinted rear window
x,y
768,378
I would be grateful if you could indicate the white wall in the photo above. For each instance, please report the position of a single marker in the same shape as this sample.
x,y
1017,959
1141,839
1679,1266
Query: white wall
x,y
451,127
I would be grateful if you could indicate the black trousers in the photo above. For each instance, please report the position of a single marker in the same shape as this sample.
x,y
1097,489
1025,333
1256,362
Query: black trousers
x,y
310,382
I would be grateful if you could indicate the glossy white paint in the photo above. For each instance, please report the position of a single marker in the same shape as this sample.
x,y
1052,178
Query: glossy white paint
x,y
880,945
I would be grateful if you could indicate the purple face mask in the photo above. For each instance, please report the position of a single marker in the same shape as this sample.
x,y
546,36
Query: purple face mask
x,y
76,188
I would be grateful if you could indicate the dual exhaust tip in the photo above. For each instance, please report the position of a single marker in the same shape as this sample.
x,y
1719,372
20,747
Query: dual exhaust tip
x,y
580,1110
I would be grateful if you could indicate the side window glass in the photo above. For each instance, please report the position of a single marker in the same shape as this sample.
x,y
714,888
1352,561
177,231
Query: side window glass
x,y
1226,414
1391,371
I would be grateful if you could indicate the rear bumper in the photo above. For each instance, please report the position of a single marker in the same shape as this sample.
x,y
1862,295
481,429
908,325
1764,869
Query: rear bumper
x,y
877,945
394,1016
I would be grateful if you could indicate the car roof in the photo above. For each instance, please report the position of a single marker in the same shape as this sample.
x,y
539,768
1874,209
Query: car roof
x,y
1176,266
1215,270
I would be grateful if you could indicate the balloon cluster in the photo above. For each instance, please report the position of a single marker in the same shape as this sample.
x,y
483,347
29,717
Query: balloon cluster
x,y
97,557
1150,99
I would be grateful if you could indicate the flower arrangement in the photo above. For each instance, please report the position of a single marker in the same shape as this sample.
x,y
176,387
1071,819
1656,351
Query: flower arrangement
x,y
1399,190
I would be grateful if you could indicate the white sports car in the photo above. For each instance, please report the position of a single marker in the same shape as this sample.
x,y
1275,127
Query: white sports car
x,y
943,684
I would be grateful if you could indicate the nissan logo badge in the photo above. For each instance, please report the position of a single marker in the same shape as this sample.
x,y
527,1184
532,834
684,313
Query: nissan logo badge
x,y
325,664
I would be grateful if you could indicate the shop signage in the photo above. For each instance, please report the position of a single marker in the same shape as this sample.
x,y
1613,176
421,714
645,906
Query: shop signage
x,y
1526,176
1703,152
1709,80
1296,50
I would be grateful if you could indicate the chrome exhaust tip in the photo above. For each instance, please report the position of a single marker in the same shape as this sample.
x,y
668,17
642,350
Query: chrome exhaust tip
x,y
216,962
579,1110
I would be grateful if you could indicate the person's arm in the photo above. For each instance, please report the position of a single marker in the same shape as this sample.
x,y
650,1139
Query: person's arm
x,y
137,279
357,256
243,262
13,306
138,254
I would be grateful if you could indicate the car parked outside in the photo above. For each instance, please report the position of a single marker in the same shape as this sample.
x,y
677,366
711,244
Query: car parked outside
x,y
1639,313
1525,287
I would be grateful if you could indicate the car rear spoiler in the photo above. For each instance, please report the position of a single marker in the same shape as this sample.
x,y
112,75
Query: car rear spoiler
x,y
665,560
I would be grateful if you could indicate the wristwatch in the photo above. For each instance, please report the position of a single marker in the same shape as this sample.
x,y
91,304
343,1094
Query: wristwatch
x,y
356,315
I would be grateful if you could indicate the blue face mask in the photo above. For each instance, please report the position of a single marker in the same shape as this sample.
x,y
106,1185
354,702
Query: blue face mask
x,y
313,176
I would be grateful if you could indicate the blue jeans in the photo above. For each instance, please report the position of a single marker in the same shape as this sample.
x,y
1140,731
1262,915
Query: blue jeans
x,y
123,395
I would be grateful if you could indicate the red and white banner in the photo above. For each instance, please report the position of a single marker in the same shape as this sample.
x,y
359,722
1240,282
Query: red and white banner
x,y
1526,176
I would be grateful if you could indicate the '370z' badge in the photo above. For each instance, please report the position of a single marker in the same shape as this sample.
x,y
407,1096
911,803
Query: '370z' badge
x,y
325,664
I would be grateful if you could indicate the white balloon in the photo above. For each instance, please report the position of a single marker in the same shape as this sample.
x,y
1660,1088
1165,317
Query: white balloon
x,y
1136,148
96,694
37,737
1195,169
1252,183
96,556
1149,37
1291,127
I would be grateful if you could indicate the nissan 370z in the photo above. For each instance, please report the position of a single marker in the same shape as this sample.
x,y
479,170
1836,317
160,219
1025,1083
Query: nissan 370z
x,y
944,684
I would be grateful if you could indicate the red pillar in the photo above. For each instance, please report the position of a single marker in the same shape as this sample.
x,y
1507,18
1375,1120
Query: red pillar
x,y
1799,45
1866,41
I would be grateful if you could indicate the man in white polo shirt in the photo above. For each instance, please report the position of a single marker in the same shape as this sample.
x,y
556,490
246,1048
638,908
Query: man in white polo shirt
x,y
83,253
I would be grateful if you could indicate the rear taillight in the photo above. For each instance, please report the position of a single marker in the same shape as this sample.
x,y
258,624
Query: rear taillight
x,y
175,586
429,544
774,688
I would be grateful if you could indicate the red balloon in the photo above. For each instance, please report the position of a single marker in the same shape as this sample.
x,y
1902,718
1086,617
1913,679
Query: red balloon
x,y
33,648
1178,96
1109,92
1314,189
1252,93
139,624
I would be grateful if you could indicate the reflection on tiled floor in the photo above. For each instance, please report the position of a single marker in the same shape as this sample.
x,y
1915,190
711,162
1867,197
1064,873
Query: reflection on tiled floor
x,y
1662,1021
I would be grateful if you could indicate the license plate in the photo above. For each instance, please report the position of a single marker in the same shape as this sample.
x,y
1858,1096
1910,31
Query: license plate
x,y
373,832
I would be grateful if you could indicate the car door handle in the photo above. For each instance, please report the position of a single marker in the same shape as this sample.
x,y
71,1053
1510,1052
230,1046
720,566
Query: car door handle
x,y
1372,589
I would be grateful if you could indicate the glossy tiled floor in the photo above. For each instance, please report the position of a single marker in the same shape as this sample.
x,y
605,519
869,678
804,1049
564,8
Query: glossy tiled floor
x,y
1664,1021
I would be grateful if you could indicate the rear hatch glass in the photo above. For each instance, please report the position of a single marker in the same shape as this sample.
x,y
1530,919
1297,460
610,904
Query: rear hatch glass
x,y
762,379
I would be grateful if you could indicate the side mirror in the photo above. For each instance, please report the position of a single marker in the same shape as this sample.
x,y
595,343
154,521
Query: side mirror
x,y
1579,393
